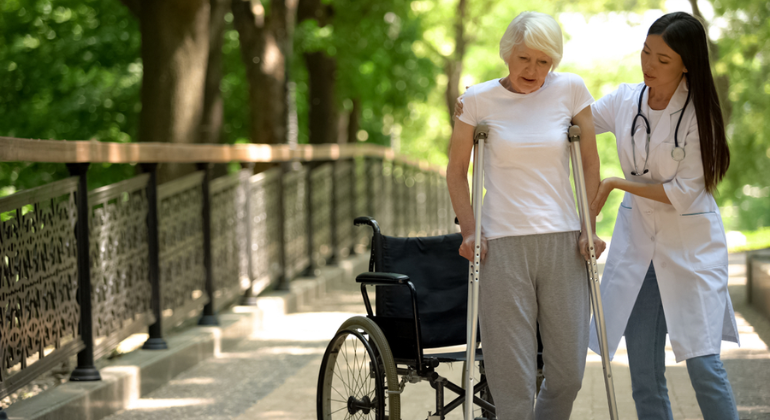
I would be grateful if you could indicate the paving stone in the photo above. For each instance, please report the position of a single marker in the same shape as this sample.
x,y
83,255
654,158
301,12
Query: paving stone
x,y
272,375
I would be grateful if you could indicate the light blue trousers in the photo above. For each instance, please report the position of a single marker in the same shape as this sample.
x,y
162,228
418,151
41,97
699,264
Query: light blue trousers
x,y
646,342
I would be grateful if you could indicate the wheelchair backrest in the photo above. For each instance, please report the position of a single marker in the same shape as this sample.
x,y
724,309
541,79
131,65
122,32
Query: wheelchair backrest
x,y
439,275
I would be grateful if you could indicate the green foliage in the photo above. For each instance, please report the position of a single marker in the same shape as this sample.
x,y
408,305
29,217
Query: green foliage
x,y
755,239
234,87
69,69
744,47
373,44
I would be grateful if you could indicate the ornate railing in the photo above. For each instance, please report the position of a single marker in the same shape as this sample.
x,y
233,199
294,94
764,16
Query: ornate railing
x,y
150,257
39,313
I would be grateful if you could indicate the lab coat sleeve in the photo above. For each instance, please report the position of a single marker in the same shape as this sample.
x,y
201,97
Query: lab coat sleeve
x,y
604,111
689,182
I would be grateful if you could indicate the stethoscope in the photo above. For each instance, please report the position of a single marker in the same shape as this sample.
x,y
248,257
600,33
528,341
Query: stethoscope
x,y
677,153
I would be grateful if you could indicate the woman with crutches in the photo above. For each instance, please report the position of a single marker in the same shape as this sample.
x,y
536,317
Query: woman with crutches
x,y
532,271
672,147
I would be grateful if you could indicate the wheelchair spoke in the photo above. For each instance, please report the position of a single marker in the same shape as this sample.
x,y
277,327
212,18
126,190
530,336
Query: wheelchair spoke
x,y
354,376
342,380
340,409
347,363
344,399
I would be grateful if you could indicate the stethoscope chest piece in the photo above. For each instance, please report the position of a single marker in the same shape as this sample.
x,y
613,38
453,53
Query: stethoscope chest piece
x,y
677,153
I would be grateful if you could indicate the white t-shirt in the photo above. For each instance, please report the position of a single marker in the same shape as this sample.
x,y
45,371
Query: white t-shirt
x,y
526,160
654,118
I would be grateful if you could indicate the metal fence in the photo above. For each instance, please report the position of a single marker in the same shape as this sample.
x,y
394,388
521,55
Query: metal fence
x,y
80,275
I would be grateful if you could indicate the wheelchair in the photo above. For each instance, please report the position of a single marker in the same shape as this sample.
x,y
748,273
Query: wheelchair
x,y
421,303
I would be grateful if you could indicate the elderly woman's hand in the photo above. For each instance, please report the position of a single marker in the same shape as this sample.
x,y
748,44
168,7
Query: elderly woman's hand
x,y
599,246
466,249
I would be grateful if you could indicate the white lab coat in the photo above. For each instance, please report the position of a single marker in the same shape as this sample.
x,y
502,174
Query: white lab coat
x,y
685,240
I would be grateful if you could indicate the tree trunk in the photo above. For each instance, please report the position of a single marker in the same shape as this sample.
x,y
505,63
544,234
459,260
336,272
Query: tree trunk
x,y
353,121
323,108
453,66
175,48
213,107
265,39
322,69
722,82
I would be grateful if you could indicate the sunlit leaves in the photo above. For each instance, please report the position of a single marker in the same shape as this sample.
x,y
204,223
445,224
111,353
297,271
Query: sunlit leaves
x,y
745,59
69,69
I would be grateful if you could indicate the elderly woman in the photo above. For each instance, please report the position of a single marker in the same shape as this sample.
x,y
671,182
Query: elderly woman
x,y
532,272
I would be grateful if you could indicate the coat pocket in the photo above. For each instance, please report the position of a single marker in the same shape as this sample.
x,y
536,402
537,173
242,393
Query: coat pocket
x,y
703,240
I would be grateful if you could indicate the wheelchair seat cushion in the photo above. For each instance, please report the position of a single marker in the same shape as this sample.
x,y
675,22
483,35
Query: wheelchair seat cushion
x,y
439,275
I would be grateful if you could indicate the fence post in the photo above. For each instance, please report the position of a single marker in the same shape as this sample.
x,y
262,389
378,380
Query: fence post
x,y
371,194
207,317
283,283
335,243
248,298
85,370
310,270
353,204
156,341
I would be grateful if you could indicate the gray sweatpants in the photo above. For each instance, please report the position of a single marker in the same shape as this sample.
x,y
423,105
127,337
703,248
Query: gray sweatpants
x,y
525,280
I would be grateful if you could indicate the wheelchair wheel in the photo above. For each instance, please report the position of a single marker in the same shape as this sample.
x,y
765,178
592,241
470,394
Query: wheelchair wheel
x,y
484,394
357,372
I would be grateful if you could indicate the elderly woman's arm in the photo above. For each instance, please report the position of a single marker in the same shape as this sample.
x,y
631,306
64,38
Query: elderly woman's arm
x,y
590,156
460,148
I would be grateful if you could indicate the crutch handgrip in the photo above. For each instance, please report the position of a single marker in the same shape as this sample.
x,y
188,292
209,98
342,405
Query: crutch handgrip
x,y
574,133
481,131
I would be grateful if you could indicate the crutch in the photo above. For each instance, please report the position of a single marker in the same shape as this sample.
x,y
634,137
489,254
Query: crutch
x,y
592,268
480,135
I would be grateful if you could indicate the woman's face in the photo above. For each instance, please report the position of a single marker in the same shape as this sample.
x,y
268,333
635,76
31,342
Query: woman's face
x,y
660,64
528,68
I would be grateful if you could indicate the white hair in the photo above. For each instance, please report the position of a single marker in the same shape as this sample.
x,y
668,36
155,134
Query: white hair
x,y
538,31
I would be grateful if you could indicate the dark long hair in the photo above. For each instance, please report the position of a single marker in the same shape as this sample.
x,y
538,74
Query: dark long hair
x,y
687,37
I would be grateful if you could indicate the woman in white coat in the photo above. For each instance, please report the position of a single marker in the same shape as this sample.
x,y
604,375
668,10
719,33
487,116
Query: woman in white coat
x,y
667,267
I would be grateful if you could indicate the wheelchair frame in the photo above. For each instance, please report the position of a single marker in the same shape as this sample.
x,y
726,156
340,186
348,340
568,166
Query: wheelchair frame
x,y
421,367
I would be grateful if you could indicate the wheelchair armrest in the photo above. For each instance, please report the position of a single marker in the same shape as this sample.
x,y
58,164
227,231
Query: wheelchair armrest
x,y
382,279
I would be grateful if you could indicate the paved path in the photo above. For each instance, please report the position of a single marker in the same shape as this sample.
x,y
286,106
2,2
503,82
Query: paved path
x,y
272,375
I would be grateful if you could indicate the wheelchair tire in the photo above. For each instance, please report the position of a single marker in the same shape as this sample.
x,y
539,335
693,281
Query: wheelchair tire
x,y
357,371
484,394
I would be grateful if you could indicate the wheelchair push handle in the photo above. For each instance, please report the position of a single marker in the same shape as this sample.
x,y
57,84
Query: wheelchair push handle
x,y
376,261
366,220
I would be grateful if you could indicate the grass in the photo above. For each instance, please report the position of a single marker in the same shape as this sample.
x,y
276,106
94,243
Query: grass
x,y
755,239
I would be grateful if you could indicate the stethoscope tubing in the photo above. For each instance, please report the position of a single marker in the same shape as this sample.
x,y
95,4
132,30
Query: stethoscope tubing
x,y
677,154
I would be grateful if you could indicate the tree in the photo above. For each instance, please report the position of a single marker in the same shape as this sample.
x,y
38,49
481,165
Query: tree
x,y
175,50
69,70
212,118
370,46
743,59
322,79
265,33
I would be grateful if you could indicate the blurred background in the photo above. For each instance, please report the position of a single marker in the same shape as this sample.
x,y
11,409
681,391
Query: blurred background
x,y
342,71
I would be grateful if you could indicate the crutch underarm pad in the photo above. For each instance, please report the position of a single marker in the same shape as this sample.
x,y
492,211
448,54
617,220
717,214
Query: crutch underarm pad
x,y
382,279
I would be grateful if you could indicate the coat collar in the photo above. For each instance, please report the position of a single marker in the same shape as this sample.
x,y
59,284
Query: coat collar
x,y
675,106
